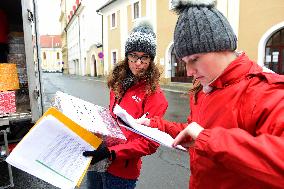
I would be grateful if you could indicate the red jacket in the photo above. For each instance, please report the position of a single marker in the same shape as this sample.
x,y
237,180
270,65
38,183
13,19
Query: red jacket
x,y
127,164
242,145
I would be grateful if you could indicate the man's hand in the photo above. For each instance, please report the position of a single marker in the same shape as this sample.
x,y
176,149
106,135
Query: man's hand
x,y
192,130
101,153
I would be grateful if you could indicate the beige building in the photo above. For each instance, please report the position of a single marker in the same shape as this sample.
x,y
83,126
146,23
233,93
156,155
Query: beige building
x,y
261,32
258,26
63,21
51,53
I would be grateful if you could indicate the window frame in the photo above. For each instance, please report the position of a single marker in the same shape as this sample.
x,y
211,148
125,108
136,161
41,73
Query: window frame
x,y
112,57
133,9
113,20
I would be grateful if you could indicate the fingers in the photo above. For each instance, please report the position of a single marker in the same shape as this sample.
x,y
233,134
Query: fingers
x,y
191,131
88,153
143,121
180,138
187,144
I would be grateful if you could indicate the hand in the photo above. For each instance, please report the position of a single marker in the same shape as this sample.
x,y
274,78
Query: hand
x,y
192,130
101,153
143,121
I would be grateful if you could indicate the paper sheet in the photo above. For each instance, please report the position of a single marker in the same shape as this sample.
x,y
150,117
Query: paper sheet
x,y
94,118
148,132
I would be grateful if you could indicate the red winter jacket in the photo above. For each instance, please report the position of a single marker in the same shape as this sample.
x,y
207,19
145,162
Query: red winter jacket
x,y
128,162
242,145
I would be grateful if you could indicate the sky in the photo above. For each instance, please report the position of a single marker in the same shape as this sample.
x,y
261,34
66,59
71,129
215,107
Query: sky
x,y
48,17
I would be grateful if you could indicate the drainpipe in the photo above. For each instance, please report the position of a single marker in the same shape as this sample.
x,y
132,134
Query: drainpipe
x,y
99,13
80,53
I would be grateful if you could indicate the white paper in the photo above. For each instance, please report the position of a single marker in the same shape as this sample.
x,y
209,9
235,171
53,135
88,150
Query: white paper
x,y
148,132
93,118
53,153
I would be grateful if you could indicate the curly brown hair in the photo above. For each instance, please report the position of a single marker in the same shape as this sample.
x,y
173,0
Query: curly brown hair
x,y
119,73
195,89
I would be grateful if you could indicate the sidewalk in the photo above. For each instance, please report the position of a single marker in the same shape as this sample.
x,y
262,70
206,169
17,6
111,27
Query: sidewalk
x,y
177,87
172,86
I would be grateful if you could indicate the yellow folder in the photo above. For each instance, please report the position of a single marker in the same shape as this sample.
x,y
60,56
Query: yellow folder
x,y
87,136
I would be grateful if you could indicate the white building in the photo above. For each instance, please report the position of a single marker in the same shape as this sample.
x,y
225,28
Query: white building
x,y
84,37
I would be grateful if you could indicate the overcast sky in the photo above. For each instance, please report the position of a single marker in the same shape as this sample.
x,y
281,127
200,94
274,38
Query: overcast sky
x,y
48,13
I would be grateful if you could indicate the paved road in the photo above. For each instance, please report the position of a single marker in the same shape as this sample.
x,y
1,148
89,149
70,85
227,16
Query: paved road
x,y
166,169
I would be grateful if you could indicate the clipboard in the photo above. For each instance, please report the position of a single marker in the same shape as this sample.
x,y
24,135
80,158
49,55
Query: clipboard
x,y
36,161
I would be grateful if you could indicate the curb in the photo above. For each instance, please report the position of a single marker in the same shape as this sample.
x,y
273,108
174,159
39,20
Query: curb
x,y
175,87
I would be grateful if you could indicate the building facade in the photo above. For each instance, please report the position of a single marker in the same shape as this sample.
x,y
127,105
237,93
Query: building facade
x,y
51,53
63,22
84,37
258,26
261,32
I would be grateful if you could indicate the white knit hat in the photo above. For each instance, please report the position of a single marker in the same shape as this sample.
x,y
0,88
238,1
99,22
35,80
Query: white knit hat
x,y
142,39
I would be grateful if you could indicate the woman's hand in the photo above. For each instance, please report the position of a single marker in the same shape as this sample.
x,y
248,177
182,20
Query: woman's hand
x,y
183,138
143,121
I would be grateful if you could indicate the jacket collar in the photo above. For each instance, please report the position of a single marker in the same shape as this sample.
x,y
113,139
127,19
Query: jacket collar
x,y
240,68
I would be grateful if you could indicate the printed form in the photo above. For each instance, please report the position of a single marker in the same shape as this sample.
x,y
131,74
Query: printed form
x,y
53,153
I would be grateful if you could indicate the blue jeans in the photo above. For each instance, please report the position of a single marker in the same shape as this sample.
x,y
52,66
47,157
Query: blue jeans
x,y
95,180
105,180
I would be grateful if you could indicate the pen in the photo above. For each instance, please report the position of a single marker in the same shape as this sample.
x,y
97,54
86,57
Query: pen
x,y
144,116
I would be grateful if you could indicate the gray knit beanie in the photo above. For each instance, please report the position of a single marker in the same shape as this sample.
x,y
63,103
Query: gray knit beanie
x,y
201,28
142,39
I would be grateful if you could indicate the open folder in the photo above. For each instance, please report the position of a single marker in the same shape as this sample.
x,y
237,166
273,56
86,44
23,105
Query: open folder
x,y
127,121
52,150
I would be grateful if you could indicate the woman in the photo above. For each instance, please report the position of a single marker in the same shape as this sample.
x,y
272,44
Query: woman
x,y
235,130
134,85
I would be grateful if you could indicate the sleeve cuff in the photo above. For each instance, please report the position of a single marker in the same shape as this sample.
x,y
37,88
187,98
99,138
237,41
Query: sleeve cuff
x,y
201,142
155,122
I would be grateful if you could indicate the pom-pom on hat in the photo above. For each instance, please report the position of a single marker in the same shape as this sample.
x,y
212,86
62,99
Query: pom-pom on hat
x,y
142,38
201,28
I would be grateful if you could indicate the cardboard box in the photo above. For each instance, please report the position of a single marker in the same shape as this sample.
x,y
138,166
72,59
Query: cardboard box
x,y
8,77
7,102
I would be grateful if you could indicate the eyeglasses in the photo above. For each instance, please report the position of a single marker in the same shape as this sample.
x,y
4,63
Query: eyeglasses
x,y
145,59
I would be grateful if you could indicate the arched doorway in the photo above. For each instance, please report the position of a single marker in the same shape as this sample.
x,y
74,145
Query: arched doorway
x,y
274,52
178,70
94,66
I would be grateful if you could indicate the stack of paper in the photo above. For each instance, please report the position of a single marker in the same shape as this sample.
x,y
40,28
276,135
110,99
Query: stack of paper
x,y
52,150
148,132
92,117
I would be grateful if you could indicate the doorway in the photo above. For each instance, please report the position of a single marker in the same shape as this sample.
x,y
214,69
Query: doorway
x,y
95,68
178,70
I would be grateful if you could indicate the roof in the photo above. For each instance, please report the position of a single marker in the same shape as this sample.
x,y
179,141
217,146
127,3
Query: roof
x,y
50,41
106,4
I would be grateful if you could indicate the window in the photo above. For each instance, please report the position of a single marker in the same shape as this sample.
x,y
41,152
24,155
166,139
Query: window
x,y
113,20
44,55
274,52
114,57
57,55
136,10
